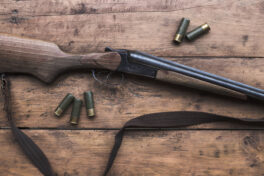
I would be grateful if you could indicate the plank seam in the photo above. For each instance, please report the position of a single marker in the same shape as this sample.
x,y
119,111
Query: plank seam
x,y
140,129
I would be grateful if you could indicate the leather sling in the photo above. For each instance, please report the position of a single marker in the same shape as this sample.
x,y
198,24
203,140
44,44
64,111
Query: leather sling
x,y
161,120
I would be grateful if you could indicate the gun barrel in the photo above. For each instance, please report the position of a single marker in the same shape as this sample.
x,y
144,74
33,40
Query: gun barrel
x,y
164,64
217,77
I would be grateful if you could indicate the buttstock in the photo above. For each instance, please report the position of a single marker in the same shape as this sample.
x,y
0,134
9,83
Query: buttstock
x,y
46,60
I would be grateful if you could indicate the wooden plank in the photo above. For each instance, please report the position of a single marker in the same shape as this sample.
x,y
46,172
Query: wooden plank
x,y
68,7
89,25
85,152
34,102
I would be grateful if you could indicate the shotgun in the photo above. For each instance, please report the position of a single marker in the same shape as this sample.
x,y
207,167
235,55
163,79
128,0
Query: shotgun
x,y
46,61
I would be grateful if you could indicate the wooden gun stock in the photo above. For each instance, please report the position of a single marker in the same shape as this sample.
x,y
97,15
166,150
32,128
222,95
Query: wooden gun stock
x,y
181,80
45,60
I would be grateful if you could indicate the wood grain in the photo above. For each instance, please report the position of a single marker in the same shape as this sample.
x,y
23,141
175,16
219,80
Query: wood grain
x,y
89,25
79,153
233,48
46,61
186,81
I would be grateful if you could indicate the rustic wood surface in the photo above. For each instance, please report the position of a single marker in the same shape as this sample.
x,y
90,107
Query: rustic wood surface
x,y
84,152
233,48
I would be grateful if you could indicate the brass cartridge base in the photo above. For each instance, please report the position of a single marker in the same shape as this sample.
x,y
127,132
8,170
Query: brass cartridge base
x,y
58,112
90,112
178,38
73,121
205,27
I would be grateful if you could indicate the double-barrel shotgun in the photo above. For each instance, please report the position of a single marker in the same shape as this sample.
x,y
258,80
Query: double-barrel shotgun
x,y
46,61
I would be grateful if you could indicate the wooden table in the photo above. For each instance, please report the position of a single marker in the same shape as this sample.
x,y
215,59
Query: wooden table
x,y
234,49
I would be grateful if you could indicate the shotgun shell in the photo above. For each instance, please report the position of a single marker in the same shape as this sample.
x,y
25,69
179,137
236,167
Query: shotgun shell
x,y
89,102
64,104
181,31
76,110
198,32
